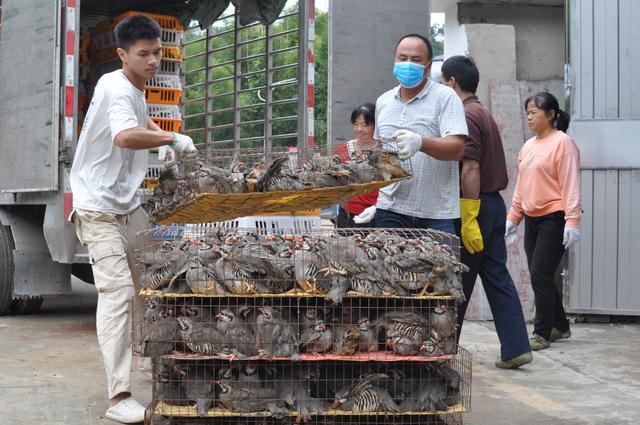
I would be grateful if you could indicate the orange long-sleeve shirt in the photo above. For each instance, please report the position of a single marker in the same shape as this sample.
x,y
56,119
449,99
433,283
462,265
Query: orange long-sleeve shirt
x,y
548,179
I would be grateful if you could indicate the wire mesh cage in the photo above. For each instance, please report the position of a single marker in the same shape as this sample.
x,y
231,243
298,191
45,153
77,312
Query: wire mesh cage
x,y
266,180
309,329
340,391
326,263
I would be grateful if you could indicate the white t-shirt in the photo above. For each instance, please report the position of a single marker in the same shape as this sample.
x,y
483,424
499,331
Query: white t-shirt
x,y
105,177
434,190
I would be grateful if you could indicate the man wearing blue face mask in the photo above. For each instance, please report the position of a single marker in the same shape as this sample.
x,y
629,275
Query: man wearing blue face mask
x,y
427,121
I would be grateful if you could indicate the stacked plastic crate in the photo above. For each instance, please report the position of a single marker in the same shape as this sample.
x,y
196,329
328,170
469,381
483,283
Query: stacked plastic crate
x,y
163,92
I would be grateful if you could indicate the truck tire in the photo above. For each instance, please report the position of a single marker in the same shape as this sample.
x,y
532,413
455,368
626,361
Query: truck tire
x,y
26,305
6,272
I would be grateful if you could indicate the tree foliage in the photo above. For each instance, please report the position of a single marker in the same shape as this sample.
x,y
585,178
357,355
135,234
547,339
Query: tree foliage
x,y
216,63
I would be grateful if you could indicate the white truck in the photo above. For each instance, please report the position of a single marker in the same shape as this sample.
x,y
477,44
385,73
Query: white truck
x,y
39,71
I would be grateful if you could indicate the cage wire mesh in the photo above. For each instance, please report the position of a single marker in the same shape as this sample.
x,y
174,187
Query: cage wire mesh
x,y
311,329
244,171
340,391
329,263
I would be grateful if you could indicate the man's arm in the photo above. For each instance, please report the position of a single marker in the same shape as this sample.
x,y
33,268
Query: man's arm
x,y
448,148
138,138
151,125
470,179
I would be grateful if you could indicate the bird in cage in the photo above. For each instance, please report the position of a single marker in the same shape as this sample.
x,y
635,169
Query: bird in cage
x,y
293,384
202,338
346,340
167,383
402,382
443,320
307,266
250,397
276,178
249,373
368,338
196,312
203,280
365,396
446,283
404,330
400,344
387,164
307,318
160,337
236,334
361,169
161,276
198,382
155,310
430,397
431,347
317,339
275,336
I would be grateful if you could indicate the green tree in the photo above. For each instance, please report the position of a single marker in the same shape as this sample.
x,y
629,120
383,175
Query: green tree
x,y
437,39
321,78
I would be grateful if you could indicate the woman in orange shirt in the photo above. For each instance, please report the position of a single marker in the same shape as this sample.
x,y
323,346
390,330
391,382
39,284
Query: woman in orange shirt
x,y
547,194
359,210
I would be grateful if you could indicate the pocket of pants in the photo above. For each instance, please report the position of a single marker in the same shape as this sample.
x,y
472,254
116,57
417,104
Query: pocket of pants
x,y
102,250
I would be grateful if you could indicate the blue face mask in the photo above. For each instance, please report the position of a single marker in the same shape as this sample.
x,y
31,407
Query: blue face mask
x,y
408,74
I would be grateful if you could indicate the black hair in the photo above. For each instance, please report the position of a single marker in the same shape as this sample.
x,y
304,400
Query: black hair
x,y
424,40
548,103
368,112
464,70
134,28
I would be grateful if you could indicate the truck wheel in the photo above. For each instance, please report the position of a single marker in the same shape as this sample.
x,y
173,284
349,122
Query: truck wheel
x,y
26,305
6,272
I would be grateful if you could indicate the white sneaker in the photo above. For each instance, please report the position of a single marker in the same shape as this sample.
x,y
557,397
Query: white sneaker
x,y
127,411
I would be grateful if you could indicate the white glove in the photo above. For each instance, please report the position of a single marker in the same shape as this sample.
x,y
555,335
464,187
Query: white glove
x,y
510,234
365,216
571,236
408,143
182,143
165,153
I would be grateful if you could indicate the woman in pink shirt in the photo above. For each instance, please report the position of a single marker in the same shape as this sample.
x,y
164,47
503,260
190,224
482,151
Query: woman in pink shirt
x,y
547,195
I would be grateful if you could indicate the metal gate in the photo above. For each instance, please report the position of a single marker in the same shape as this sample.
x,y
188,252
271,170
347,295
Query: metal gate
x,y
603,272
251,86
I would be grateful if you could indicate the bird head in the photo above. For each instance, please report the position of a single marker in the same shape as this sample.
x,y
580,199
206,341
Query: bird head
x,y
320,326
311,313
184,323
250,369
225,315
440,309
364,324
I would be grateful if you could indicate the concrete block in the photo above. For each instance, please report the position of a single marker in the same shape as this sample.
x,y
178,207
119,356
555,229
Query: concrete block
x,y
493,47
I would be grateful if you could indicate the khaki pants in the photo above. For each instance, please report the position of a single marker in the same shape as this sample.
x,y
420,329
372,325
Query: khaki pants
x,y
110,240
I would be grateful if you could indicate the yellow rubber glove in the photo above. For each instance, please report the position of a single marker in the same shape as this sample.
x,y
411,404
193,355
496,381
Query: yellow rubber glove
x,y
471,235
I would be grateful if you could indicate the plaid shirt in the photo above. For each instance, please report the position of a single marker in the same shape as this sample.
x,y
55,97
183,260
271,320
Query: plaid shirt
x,y
434,190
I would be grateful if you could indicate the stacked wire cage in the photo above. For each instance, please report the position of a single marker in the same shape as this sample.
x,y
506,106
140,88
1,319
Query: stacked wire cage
x,y
313,325
164,91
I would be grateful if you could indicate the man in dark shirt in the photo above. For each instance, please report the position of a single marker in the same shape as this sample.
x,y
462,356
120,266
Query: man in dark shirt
x,y
483,214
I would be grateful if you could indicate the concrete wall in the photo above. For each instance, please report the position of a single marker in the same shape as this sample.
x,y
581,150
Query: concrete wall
x,y
361,47
539,32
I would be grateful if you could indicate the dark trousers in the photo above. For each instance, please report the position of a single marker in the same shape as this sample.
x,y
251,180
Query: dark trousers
x,y
543,245
390,219
345,219
491,265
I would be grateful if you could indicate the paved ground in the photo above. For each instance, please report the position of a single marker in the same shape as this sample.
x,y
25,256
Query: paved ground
x,y
51,373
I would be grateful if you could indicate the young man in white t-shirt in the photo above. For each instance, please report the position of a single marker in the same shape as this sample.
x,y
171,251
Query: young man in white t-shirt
x,y
109,165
